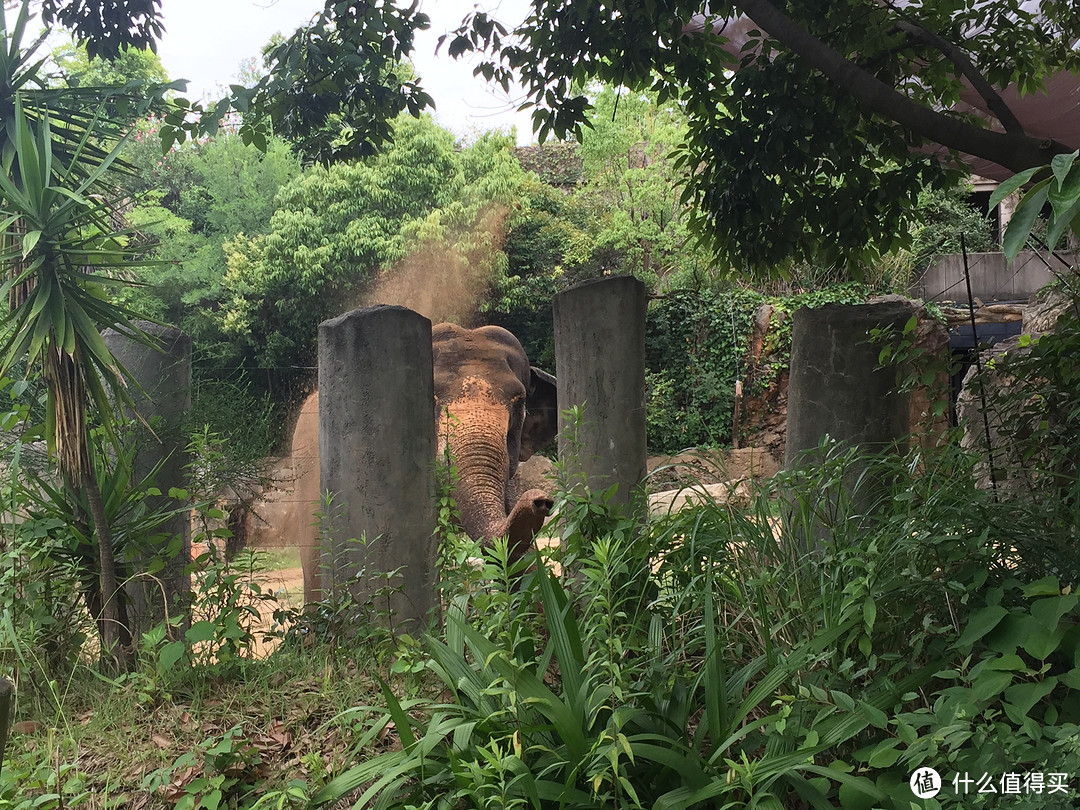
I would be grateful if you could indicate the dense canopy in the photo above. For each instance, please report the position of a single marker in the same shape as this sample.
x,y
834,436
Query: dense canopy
x,y
812,125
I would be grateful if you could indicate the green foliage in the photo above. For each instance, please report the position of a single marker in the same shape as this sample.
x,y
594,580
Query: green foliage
x,y
331,230
1058,184
1035,417
338,618
555,163
698,342
1010,703
628,160
35,782
190,201
917,367
110,29
247,423
712,659
333,88
803,141
131,66
939,218
229,765
697,348
335,228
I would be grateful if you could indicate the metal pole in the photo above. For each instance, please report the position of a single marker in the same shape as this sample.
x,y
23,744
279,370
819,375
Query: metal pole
x,y
978,370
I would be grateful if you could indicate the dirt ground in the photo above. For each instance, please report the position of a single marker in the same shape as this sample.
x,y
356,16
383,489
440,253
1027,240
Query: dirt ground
x,y
288,585
287,581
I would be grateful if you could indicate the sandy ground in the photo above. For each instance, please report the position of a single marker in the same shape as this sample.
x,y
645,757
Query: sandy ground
x,y
288,585
288,581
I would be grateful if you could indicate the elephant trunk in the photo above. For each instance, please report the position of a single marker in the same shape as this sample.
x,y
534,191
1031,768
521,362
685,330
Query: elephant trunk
x,y
476,439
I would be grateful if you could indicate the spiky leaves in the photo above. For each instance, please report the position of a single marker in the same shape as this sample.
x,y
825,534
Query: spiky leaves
x,y
62,248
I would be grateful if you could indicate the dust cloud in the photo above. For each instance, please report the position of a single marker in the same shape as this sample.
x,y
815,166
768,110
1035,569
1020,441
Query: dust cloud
x,y
445,279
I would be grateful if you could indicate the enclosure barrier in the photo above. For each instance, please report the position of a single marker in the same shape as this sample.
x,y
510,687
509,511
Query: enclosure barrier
x,y
600,363
839,389
162,372
377,454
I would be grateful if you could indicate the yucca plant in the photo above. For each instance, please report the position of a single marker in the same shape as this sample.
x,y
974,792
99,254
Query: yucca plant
x,y
63,250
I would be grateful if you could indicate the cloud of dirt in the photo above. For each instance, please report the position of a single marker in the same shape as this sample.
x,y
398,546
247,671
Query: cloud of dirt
x,y
445,279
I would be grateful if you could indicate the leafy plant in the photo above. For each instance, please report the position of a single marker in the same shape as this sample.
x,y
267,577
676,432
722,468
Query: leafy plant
x,y
221,771
1058,184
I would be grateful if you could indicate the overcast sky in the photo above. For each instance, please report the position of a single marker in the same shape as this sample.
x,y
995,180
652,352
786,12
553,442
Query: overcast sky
x,y
206,40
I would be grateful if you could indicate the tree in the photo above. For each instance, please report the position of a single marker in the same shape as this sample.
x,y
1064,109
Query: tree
x,y
808,128
812,140
189,202
333,88
61,248
106,28
627,154
131,66
332,229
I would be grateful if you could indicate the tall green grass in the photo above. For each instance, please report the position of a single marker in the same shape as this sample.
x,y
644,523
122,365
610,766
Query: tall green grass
x,y
794,652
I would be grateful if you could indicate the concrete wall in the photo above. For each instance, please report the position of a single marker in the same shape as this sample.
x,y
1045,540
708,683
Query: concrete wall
x,y
992,278
377,451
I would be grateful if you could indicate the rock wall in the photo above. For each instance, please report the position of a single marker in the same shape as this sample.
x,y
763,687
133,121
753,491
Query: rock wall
x,y
991,431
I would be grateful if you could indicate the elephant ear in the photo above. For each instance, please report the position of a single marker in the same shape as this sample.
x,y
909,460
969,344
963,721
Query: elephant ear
x,y
541,413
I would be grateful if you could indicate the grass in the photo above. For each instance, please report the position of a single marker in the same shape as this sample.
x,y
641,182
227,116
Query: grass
x,y
291,709
277,559
724,669
230,730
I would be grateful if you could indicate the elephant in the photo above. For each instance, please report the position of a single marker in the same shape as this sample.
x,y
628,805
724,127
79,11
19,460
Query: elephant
x,y
492,411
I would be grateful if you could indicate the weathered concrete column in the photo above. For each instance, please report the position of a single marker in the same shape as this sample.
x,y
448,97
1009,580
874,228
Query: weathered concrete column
x,y
164,373
377,457
600,362
836,386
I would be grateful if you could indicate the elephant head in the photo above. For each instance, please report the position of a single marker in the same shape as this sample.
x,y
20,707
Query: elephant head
x,y
493,410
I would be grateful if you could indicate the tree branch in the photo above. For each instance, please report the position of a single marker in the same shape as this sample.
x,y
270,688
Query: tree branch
x,y
994,102
1012,150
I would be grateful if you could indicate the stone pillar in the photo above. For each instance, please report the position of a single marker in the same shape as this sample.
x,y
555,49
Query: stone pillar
x,y
836,387
163,371
600,362
377,457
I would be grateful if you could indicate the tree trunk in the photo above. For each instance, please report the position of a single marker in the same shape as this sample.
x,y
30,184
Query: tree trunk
x,y
113,654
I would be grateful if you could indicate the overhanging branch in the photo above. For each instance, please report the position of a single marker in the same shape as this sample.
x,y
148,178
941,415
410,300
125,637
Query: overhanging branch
x,y
1012,150
994,102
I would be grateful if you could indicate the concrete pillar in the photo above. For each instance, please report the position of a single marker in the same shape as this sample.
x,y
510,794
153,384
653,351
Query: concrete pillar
x,y
377,456
836,386
600,362
163,371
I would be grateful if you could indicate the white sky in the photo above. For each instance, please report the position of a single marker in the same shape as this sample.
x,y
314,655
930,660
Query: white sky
x,y
206,40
